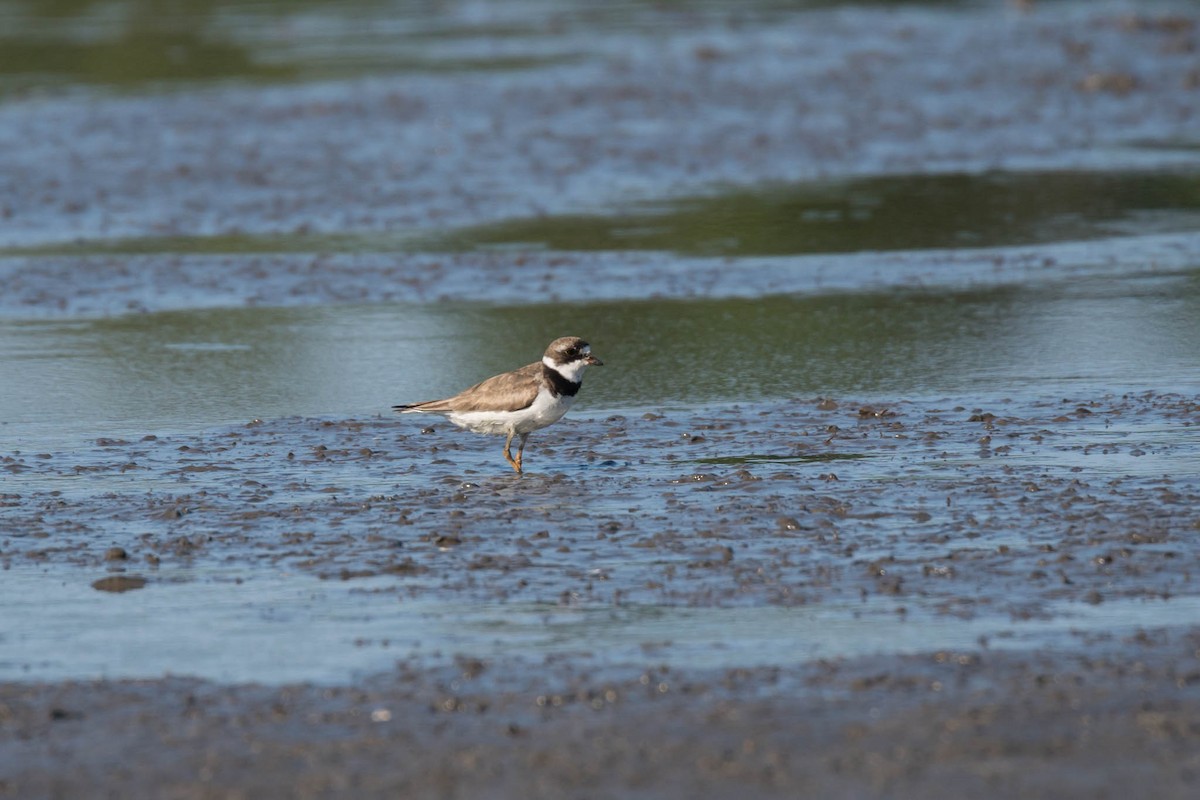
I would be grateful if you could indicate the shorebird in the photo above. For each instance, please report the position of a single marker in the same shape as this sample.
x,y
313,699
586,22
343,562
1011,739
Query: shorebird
x,y
520,402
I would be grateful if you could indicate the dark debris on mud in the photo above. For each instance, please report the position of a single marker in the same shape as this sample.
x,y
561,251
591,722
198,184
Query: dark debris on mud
x,y
1003,510
1121,720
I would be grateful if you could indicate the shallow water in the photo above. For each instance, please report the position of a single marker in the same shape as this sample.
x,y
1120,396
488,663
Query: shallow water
x,y
904,212
289,628
128,45
190,370
892,213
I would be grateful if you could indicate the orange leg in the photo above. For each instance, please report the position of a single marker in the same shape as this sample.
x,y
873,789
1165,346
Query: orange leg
x,y
515,463
520,450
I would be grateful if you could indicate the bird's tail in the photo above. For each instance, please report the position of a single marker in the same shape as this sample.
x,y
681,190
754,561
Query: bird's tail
x,y
411,408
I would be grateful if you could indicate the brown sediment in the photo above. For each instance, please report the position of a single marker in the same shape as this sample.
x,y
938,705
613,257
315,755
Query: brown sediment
x,y
1119,718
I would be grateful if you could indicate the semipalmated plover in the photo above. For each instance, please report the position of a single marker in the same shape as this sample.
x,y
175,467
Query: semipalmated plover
x,y
520,402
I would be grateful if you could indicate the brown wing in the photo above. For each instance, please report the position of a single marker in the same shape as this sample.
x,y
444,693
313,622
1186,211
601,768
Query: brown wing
x,y
511,391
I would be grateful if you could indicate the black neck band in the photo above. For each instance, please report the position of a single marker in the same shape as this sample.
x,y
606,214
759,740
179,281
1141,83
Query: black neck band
x,y
558,384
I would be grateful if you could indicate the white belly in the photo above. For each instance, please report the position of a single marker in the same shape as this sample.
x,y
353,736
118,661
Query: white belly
x,y
545,410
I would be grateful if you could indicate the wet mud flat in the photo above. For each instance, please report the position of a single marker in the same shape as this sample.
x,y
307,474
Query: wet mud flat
x,y
98,286
1007,507
917,510
1121,718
